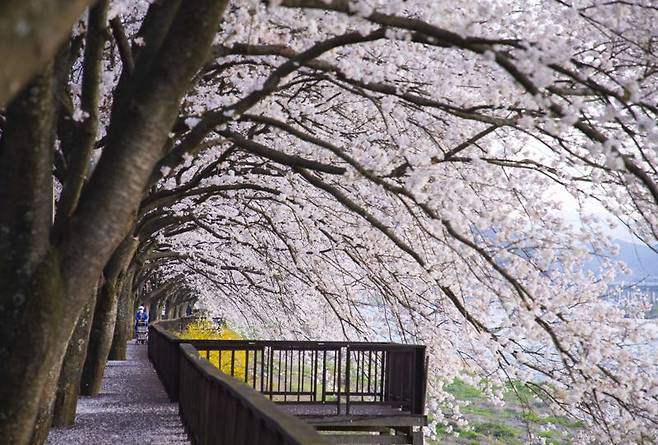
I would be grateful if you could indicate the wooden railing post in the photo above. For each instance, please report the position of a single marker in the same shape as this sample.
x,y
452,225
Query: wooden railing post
x,y
420,381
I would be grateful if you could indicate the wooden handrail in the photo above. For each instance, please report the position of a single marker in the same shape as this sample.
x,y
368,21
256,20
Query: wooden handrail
x,y
204,382
217,408
340,374
234,395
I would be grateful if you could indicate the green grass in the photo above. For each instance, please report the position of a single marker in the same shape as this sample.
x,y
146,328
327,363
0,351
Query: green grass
x,y
498,433
462,390
554,420
516,391
497,430
442,430
486,412
493,425
479,411
553,437
483,432
519,391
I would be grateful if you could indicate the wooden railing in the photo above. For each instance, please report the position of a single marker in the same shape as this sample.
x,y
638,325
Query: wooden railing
x,y
339,374
164,353
216,408
345,375
315,379
219,409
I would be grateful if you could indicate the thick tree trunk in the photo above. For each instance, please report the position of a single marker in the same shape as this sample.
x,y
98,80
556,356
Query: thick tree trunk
x,y
105,317
68,387
123,330
155,308
120,338
32,291
169,310
100,339
59,406
30,377
44,288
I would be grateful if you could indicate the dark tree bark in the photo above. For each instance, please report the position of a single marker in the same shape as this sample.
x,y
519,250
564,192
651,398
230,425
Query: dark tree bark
x,y
63,404
84,136
123,330
45,286
32,284
105,316
100,339
119,346
58,408
169,309
154,309
68,387
30,33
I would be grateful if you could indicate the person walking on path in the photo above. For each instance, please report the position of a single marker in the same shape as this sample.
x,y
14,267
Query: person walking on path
x,y
141,316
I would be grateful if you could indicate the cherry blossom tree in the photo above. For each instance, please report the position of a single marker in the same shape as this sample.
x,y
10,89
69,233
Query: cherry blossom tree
x,y
388,165
455,179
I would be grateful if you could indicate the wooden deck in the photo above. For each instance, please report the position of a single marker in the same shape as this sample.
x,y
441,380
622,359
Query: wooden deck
x,y
312,409
366,424
350,392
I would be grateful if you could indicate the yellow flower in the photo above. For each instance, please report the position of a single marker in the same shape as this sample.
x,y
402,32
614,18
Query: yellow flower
x,y
205,330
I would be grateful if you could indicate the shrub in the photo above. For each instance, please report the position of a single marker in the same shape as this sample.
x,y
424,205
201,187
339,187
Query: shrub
x,y
203,329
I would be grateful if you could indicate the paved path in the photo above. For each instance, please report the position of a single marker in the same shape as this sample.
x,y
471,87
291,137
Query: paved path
x,y
132,408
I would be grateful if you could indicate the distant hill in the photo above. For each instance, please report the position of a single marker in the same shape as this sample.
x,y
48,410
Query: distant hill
x,y
643,263
640,259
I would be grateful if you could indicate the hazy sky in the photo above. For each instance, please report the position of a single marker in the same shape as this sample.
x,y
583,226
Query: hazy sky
x,y
571,213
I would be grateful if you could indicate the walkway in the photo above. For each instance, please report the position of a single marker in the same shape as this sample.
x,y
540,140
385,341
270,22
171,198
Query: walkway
x,y
132,408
